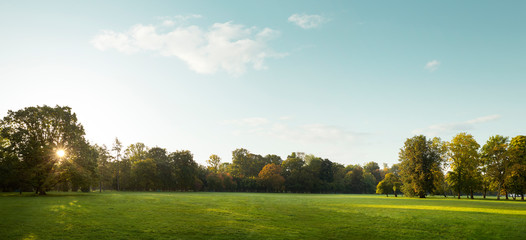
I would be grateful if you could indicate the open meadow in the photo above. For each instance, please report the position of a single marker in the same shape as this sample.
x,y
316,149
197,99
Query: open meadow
x,y
205,215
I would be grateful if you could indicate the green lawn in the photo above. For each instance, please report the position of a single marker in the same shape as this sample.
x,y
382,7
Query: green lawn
x,y
255,216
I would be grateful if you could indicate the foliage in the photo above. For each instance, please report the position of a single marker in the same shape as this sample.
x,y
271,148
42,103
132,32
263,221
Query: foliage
x,y
390,184
419,159
34,135
185,169
516,177
30,137
464,161
246,164
271,179
213,163
495,160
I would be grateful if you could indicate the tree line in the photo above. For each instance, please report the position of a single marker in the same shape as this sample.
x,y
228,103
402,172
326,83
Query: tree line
x,y
31,137
499,166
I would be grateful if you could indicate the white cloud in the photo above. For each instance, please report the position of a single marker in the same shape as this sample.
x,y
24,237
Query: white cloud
x,y
224,46
251,122
307,21
318,133
432,65
437,129
307,133
484,119
169,21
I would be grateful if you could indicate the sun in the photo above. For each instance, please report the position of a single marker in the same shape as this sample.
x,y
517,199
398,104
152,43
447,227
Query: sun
x,y
61,153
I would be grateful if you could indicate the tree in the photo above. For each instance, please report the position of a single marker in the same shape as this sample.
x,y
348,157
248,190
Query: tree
x,y
84,167
35,134
144,173
213,163
270,177
117,153
103,166
136,152
374,169
164,178
272,158
384,187
215,182
246,164
496,161
293,163
464,162
369,182
390,184
185,169
419,159
354,180
516,177
241,162
11,176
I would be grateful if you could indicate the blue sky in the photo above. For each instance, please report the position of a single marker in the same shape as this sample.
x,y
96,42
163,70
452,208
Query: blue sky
x,y
344,80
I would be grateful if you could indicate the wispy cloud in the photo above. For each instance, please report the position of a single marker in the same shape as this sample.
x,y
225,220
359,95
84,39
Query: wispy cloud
x,y
444,128
251,122
310,133
306,21
432,65
223,46
170,21
319,133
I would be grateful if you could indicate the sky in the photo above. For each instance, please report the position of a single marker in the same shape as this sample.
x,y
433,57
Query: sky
x,y
345,80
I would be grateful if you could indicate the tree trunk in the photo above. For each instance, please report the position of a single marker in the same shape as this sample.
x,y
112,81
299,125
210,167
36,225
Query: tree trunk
x,y
485,193
118,187
506,194
471,193
498,193
458,194
396,195
522,196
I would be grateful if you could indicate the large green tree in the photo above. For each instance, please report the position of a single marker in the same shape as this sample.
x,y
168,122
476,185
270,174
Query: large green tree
x,y
164,170
247,164
292,171
35,134
354,179
464,161
185,169
144,174
419,159
496,161
516,176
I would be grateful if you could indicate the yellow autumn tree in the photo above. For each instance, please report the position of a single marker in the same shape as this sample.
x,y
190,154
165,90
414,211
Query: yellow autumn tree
x,y
270,178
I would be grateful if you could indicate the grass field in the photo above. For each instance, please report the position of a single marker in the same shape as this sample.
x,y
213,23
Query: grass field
x,y
255,216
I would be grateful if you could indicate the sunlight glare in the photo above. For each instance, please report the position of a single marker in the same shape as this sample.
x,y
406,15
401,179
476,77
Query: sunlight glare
x,y
61,153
